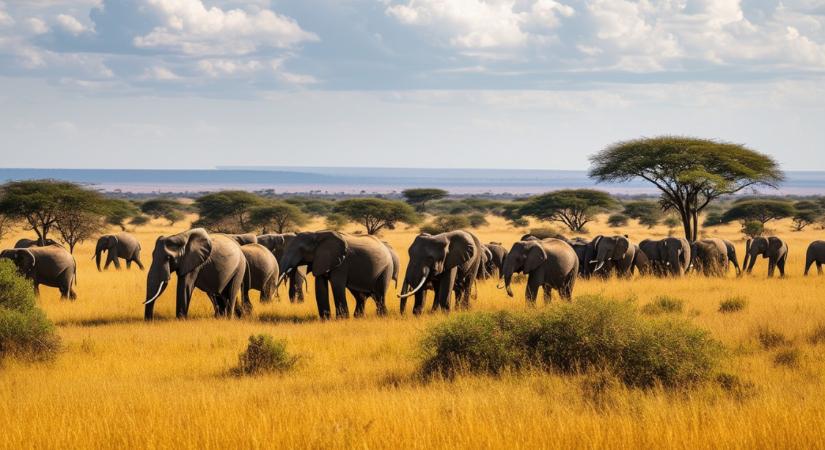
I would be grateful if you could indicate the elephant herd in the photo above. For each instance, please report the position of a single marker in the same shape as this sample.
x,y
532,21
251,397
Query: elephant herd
x,y
227,266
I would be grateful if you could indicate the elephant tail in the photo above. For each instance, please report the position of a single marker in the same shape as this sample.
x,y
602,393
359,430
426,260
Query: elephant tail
x,y
569,283
74,278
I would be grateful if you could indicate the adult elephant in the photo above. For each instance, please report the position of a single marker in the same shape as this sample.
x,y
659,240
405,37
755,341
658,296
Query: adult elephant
x,y
549,264
586,252
614,253
277,243
117,246
771,247
51,266
815,254
732,259
674,255
710,256
498,254
242,239
27,243
486,257
651,249
361,264
214,264
263,273
641,262
448,262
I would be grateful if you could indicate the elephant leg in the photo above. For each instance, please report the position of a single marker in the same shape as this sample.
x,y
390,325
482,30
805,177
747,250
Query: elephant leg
x,y
418,306
381,304
116,261
233,291
322,297
37,289
531,290
128,264
185,287
139,264
339,295
445,290
781,265
548,293
819,268
108,261
291,290
808,264
360,303
771,267
751,263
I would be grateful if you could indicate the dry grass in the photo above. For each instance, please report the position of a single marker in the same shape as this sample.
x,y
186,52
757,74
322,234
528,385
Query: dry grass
x,y
124,383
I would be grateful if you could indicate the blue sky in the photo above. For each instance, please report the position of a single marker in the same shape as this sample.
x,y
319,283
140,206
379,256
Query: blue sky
x,y
460,83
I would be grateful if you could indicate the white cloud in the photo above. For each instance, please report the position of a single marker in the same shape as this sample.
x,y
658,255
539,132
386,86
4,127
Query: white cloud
x,y
5,19
158,73
71,24
37,26
190,27
222,67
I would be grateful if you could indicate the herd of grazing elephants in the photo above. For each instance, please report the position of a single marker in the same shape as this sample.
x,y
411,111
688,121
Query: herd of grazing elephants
x,y
227,266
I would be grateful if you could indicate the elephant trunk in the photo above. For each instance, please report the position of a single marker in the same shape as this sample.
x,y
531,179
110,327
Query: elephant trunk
x,y
507,273
747,255
407,283
101,245
156,283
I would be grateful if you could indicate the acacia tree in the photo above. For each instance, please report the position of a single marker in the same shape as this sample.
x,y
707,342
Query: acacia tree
x,y
420,196
167,208
807,213
119,211
761,211
278,216
376,213
647,213
572,207
227,211
689,172
6,223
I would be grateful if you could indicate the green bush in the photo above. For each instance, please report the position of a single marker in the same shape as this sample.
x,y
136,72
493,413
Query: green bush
x,y
25,331
732,304
545,232
589,334
617,220
443,224
477,220
264,354
753,229
664,305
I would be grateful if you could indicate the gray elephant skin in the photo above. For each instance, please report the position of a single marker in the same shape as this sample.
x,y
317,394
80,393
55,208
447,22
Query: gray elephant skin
x,y
118,246
51,266
549,264
277,243
613,253
710,257
815,254
396,263
214,264
732,259
263,273
27,243
770,247
641,262
668,256
495,264
242,239
448,262
361,264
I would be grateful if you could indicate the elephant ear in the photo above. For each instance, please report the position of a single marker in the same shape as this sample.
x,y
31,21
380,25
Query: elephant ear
x,y
460,250
113,240
596,241
196,251
774,243
535,258
622,247
330,252
25,259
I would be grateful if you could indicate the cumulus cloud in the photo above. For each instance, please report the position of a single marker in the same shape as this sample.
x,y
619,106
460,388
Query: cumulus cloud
x,y
190,27
70,24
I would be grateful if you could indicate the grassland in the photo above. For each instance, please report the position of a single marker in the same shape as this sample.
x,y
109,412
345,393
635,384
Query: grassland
x,y
121,382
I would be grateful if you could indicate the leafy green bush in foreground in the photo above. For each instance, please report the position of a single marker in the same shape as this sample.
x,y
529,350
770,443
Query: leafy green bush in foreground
x,y
25,331
589,334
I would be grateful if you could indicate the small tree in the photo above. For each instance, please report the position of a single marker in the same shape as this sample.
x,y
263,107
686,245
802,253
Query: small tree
x,y
647,213
617,220
806,213
6,223
118,212
761,211
227,211
477,220
442,224
753,228
376,213
690,173
420,196
512,212
169,209
336,221
572,207
278,216
314,207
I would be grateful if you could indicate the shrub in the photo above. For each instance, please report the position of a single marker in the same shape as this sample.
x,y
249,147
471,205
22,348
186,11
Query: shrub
x,y
713,219
753,229
25,331
589,334
732,304
139,221
818,335
769,338
443,224
664,304
735,386
477,220
789,357
264,354
336,221
617,220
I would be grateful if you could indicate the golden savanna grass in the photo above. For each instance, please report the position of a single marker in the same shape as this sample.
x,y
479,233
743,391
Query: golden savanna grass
x,y
121,382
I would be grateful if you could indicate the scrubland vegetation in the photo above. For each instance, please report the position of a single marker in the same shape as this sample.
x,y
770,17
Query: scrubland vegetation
x,y
118,381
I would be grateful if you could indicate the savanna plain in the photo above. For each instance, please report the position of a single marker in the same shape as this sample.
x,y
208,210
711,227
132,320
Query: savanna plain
x,y
121,382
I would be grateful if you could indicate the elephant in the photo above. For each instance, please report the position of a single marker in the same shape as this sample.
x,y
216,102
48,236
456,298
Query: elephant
x,y
668,256
586,252
495,262
361,264
242,239
549,264
486,257
771,247
732,259
121,245
815,254
52,266
276,243
27,243
710,256
263,272
448,262
641,262
615,252
214,264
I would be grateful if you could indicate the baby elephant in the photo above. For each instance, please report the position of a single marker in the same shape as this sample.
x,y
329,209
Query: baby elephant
x,y
771,247
815,254
51,265
118,246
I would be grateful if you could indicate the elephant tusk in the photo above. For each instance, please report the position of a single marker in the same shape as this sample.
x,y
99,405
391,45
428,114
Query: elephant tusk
x,y
160,288
601,264
423,280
